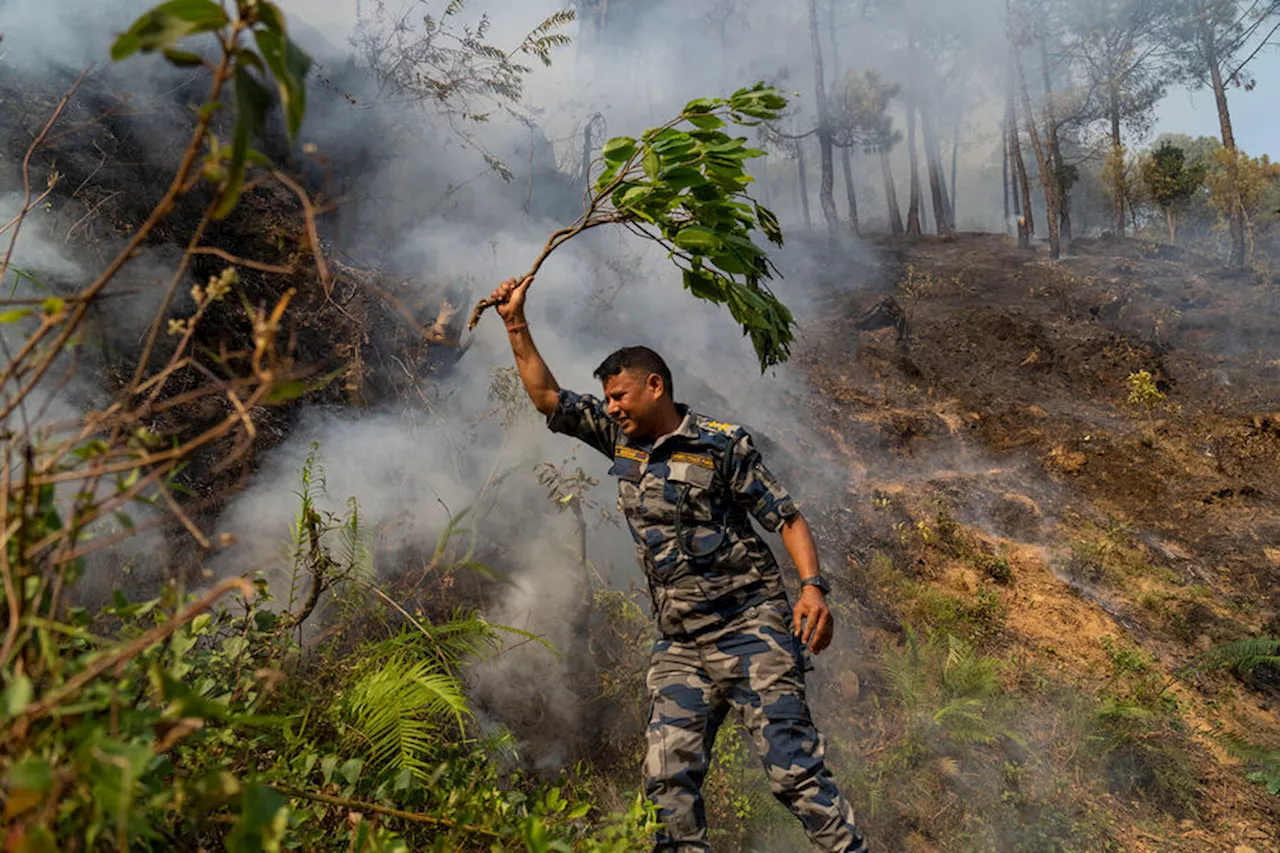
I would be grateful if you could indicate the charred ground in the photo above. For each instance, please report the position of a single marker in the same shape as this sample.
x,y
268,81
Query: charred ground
x,y
1002,488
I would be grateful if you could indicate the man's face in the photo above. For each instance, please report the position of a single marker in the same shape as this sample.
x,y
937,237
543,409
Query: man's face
x,y
631,399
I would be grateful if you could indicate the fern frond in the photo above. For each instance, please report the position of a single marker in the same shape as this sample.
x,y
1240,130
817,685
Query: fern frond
x,y
1264,758
1116,710
967,674
394,712
957,651
357,559
906,675
964,721
1242,655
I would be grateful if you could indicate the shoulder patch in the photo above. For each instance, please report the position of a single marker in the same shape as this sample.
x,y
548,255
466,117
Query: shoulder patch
x,y
721,427
694,459
623,452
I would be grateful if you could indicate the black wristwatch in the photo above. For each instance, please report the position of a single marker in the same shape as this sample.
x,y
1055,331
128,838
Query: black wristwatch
x,y
819,581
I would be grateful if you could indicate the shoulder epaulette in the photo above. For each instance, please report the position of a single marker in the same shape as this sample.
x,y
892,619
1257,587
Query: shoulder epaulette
x,y
733,430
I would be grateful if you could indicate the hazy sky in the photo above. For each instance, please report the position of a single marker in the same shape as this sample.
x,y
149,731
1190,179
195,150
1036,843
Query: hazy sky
x,y
1255,115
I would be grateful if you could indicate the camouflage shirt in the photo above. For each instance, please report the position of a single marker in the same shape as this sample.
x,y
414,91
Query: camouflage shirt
x,y
687,499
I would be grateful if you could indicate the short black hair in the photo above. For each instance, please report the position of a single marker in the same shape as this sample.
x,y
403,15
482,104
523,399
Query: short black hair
x,y
635,358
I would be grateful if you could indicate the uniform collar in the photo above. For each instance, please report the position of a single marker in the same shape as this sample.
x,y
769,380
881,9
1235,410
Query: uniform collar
x,y
688,427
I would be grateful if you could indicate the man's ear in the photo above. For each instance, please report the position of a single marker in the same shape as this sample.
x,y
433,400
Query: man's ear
x,y
655,384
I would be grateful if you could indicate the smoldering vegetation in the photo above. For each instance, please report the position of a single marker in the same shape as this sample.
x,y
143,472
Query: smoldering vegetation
x,y
434,193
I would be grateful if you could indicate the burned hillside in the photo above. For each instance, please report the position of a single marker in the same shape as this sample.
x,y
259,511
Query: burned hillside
x,y
292,560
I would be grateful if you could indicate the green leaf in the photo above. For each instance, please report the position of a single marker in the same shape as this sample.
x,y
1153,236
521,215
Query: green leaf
x,y
39,839
14,316
730,263
271,16
701,106
289,66
252,102
619,150
632,195
195,11
350,770
705,122
703,285
294,389
17,696
264,817
183,58
652,164
28,782
697,238
167,24
681,177
286,391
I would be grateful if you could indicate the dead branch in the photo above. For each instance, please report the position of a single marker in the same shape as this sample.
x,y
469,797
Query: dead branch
x,y
356,805
309,214
26,172
243,262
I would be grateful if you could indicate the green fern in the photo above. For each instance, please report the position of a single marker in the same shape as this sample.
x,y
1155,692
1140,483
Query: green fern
x,y
465,636
311,480
395,713
357,559
1266,759
967,674
965,721
905,672
1243,656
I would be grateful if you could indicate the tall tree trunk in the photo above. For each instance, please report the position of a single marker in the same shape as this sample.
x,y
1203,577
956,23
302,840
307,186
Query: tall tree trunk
x,y
1004,166
1026,216
846,156
804,185
1057,165
1117,157
1173,229
891,194
826,191
1047,178
933,162
913,209
955,156
846,163
1021,185
1236,217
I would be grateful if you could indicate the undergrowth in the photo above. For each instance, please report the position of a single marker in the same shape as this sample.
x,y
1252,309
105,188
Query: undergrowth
x,y
233,732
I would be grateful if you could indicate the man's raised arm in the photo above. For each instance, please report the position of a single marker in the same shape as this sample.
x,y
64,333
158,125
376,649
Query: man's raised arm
x,y
534,373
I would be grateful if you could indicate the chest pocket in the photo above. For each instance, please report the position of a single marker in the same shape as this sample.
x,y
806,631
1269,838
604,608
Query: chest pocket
x,y
699,524
628,464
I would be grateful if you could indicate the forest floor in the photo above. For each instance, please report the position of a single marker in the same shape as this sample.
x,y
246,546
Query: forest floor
x,y
1005,492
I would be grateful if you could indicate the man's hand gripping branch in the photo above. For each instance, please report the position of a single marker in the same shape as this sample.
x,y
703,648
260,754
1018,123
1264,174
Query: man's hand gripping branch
x,y
508,300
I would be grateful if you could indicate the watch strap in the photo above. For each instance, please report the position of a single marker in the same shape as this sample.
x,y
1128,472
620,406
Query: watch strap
x,y
817,580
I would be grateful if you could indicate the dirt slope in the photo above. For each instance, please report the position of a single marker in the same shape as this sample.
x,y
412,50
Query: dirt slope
x,y
1004,488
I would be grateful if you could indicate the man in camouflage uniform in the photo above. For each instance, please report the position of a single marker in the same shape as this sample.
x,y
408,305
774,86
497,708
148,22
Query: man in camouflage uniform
x,y
687,485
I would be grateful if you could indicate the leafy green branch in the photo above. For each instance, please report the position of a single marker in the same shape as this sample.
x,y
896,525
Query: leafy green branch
x,y
684,186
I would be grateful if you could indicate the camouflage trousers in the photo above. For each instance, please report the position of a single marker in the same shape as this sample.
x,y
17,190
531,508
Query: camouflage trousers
x,y
756,666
